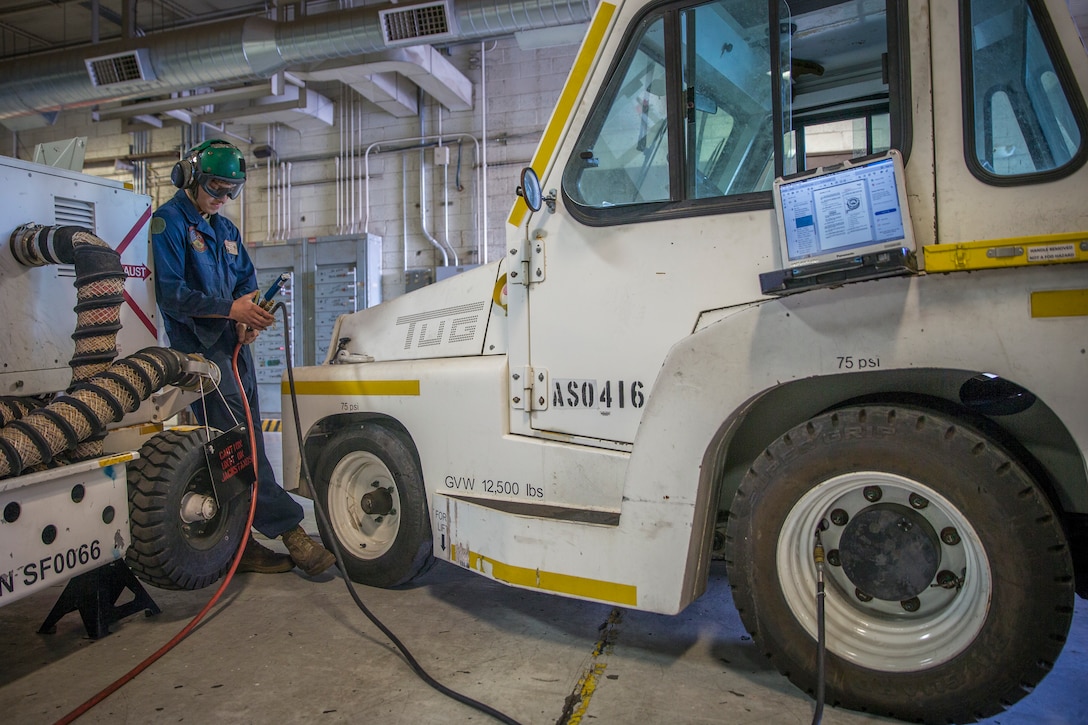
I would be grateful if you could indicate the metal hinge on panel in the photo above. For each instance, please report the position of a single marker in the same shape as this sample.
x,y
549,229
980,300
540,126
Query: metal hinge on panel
x,y
527,262
529,389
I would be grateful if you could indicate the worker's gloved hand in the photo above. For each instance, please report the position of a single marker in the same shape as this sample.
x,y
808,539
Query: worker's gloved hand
x,y
245,333
247,311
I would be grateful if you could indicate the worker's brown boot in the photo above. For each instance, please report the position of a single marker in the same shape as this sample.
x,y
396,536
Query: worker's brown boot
x,y
310,556
263,560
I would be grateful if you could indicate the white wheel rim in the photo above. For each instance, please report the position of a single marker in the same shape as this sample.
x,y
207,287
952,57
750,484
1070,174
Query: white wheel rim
x,y
363,535
882,635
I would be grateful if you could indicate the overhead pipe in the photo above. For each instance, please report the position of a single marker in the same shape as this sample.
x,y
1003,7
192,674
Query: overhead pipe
x,y
250,49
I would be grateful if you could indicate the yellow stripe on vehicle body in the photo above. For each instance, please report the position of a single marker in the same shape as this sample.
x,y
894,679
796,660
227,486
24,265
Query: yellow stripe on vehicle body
x,y
602,18
614,592
353,387
1027,251
112,460
1060,303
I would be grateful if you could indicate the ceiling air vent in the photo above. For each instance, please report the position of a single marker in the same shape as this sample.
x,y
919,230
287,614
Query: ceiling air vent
x,y
110,70
417,25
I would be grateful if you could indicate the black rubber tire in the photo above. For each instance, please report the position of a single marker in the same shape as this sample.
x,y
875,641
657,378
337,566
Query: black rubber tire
x,y
1014,532
386,550
165,551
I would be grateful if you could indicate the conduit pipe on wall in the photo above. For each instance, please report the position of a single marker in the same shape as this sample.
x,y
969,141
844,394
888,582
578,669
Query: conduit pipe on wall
x,y
404,205
446,193
483,159
337,164
270,137
287,206
421,104
417,142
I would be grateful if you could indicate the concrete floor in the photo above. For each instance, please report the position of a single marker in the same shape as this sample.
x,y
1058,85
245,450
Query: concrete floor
x,y
283,648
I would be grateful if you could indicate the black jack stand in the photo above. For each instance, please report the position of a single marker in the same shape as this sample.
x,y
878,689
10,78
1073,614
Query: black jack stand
x,y
94,594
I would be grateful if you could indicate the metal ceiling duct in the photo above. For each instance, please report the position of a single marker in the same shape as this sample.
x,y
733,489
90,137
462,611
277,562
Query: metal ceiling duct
x,y
254,48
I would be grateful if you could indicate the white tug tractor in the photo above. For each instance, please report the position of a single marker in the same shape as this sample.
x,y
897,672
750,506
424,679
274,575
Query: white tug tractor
x,y
719,328
94,487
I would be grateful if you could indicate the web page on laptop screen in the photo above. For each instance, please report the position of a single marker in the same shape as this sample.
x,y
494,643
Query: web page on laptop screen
x,y
833,215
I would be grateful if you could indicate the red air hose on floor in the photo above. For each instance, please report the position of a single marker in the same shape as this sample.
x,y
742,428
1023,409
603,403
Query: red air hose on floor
x,y
131,674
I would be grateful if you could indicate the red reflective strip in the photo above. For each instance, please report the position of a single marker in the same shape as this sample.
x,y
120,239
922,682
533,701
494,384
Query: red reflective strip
x,y
143,318
132,232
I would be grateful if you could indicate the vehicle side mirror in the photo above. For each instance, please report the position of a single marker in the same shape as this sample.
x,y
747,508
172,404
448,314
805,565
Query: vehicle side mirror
x,y
530,189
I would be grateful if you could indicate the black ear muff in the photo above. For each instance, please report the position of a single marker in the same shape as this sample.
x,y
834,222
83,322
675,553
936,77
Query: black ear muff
x,y
182,174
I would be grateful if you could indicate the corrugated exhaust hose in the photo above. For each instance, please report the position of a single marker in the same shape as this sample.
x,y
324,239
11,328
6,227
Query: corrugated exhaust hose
x,y
100,392
86,411
100,288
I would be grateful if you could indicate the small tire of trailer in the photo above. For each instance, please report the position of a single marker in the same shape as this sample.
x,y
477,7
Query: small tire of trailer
x,y
171,548
949,581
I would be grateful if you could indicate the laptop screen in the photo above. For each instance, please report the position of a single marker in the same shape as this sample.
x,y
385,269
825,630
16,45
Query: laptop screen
x,y
844,211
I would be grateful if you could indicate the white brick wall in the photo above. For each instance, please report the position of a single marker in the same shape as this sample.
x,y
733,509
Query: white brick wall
x,y
522,89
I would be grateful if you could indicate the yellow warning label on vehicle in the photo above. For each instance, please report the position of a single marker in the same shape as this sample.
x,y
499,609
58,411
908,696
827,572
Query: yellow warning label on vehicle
x,y
1012,252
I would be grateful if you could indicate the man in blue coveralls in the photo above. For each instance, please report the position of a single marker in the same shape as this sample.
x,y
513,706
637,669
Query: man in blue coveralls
x,y
207,289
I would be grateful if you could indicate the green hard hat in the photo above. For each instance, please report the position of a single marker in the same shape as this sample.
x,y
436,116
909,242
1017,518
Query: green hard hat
x,y
219,161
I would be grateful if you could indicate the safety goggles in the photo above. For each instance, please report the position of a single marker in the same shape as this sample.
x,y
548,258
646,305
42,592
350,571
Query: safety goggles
x,y
218,188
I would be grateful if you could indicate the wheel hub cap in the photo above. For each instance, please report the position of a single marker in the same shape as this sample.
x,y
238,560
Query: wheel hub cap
x,y
890,552
378,502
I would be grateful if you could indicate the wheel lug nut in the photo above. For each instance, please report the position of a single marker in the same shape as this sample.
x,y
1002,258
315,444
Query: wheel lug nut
x,y
947,580
839,517
862,596
911,605
950,536
833,558
917,501
872,494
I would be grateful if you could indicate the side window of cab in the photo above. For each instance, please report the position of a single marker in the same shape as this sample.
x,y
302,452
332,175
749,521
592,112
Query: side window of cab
x,y
1024,120
684,123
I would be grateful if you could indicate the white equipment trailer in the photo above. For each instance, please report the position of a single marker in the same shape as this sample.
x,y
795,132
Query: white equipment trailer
x,y
648,377
91,478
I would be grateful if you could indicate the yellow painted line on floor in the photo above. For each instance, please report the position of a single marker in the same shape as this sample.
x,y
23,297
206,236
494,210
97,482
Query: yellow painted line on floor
x,y
602,18
625,594
578,702
353,387
1060,303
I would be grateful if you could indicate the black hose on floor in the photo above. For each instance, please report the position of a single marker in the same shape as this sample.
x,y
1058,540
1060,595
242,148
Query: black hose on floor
x,y
335,546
